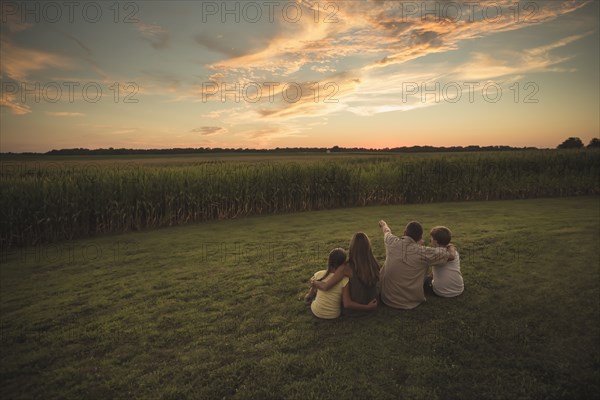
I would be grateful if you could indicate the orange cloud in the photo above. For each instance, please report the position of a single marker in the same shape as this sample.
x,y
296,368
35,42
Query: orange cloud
x,y
484,66
64,114
209,130
19,62
9,101
158,37
309,99
381,35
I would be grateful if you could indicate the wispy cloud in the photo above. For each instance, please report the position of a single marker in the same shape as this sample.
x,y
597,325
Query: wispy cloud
x,y
383,91
13,22
310,99
88,56
158,36
64,114
378,39
19,62
108,128
262,135
486,66
123,131
209,130
219,44
10,102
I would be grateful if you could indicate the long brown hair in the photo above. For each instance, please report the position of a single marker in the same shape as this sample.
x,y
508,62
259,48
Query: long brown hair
x,y
361,260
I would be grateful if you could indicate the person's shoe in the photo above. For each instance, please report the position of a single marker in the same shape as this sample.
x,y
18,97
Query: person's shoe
x,y
308,298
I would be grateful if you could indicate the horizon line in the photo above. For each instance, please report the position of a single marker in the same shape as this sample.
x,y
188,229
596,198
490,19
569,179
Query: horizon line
x,y
332,149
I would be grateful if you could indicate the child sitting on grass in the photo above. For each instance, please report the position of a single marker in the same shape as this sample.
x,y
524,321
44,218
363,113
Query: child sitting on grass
x,y
446,279
328,305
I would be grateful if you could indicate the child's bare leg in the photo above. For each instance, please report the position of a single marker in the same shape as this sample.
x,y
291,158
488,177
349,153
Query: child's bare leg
x,y
310,296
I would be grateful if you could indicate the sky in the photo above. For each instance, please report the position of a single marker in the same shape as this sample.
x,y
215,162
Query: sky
x,y
305,73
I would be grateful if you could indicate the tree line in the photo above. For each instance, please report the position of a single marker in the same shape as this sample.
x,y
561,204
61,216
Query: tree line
x,y
570,143
334,149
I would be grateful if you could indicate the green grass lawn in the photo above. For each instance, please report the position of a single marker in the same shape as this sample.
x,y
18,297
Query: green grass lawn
x,y
214,311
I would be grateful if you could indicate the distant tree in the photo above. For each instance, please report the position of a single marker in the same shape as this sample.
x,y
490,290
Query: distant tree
x,y
594,143
571,143
336,149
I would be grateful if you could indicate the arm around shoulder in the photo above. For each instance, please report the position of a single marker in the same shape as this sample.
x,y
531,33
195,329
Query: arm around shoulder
x,y
451,252
334,280
351,304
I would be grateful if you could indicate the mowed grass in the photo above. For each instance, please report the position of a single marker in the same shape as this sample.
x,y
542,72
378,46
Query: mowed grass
x,y
213,311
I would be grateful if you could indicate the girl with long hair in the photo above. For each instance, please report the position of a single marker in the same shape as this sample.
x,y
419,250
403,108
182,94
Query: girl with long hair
x,y
359,296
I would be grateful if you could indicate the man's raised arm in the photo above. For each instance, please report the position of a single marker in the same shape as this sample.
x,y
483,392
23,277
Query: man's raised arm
x,y
384,227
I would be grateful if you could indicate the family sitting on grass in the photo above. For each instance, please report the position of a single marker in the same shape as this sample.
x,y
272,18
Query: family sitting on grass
x,y
351,286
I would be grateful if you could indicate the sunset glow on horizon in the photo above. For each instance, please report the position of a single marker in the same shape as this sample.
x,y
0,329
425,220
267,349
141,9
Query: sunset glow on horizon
x,y
266,74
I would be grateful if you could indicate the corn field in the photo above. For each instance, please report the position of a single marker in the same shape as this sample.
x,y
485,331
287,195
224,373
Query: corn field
x,y
48,205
